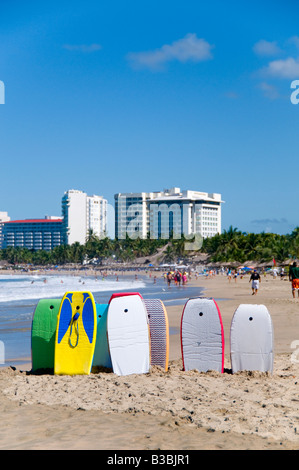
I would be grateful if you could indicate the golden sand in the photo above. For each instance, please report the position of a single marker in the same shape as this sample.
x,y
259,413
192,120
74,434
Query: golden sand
x,y
167,410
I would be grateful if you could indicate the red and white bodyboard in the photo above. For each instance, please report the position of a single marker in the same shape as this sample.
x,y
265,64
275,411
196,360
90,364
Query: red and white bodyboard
x,y
128,334
202,336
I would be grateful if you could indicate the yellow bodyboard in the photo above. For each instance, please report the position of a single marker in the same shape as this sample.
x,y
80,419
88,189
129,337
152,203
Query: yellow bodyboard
x,y
75,334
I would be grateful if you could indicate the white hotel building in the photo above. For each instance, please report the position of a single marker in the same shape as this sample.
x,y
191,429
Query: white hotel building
x,y
3,218
167,212
82,214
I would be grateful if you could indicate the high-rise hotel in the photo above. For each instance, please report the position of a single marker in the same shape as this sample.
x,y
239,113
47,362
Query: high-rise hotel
x,y
82,215
169,212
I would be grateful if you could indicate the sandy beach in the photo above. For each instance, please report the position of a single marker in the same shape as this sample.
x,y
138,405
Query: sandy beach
x,y
174,410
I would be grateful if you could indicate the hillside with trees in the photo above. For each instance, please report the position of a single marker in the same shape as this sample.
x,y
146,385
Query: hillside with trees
x,y
230,246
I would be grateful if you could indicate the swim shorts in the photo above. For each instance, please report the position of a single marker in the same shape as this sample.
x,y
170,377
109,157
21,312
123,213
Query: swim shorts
x,y
295,284
255,284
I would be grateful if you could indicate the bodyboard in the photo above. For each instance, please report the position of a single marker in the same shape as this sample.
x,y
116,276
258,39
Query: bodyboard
x,y
75,334
101,356
128,335
159,332
252,339
202,336
43,332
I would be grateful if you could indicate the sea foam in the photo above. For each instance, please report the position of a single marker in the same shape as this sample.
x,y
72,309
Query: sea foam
x,y
27,287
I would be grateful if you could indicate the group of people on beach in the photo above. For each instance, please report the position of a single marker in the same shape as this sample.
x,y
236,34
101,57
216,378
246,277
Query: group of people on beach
x,y
255,278
177,277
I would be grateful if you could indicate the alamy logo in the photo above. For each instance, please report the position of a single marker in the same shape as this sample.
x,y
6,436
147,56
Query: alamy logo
x,y
2,93
2,353
295,354
164,221
295,94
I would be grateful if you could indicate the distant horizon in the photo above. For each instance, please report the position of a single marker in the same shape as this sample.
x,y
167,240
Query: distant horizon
x,y
111,219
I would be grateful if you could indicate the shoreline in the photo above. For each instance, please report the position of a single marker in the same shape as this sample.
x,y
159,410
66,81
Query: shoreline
x,y
173,297
167,410
229,295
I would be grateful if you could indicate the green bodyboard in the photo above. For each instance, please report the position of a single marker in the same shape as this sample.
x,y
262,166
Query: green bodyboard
x,y
43,331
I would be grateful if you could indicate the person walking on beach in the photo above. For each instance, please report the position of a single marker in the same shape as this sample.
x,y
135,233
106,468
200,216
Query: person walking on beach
x,y
294,278
255,279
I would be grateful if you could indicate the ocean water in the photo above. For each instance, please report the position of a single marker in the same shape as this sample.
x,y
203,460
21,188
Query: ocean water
x,y
20,294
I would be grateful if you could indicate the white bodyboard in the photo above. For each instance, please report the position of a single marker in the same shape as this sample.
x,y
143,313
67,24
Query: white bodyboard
x,y
202,336
252,339
128,335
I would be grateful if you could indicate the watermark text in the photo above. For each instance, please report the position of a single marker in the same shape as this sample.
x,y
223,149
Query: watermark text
x,y
2,353
295,93
295,354
2,93
164,221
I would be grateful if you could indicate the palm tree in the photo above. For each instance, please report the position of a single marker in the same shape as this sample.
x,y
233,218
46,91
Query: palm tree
x,y
294,243
76,252
61,254
178,245
169,254
106,247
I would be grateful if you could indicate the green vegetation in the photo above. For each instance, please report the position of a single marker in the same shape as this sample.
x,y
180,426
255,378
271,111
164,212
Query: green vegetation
x,y
231,245
94,248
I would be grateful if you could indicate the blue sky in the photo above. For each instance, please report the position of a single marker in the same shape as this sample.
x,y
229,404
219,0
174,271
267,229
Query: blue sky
x,y
133,96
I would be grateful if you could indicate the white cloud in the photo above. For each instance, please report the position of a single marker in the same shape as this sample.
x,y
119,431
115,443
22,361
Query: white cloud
x,y
269,91
82,47
2,92
283,68
231,95
294,40
189,49
266,48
